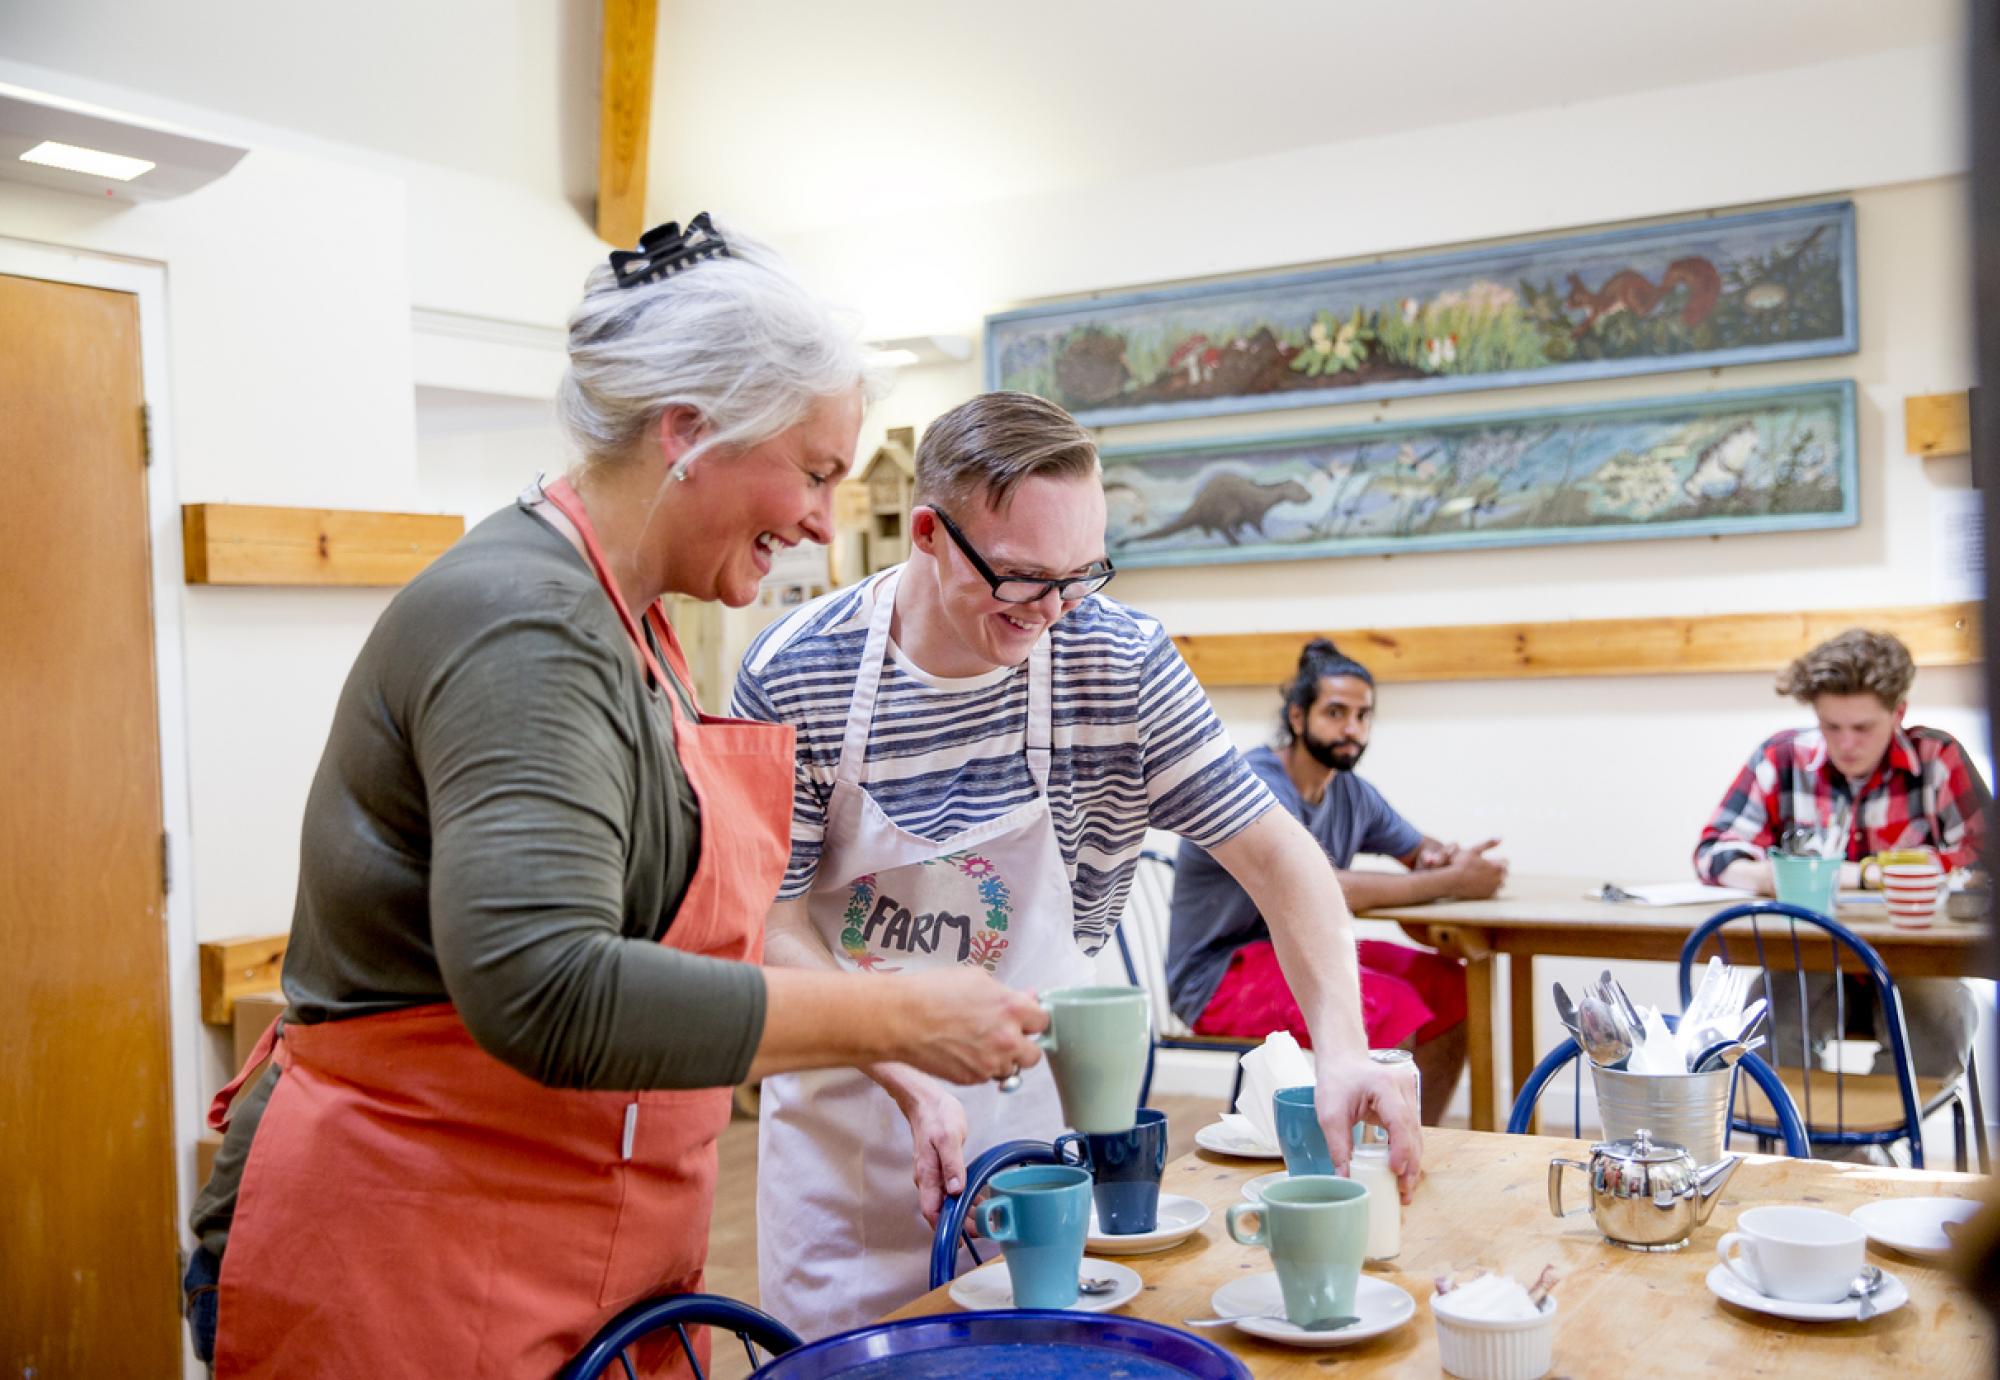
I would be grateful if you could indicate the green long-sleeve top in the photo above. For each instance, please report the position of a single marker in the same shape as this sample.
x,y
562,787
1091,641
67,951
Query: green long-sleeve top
x,y
500,821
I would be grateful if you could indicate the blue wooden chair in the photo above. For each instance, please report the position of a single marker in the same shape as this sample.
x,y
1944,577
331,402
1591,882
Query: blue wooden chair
x,y
1863,1109
753,1327
1142,936
1787,1122
954,1228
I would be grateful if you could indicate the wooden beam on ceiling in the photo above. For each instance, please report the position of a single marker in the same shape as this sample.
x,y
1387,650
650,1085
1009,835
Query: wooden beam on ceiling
x,y
1936,634
625,113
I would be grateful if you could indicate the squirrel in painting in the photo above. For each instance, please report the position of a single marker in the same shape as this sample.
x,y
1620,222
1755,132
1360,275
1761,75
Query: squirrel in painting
x,y
1629,290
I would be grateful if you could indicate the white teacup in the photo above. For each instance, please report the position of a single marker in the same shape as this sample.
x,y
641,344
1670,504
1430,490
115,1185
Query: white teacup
x,y
1802,1254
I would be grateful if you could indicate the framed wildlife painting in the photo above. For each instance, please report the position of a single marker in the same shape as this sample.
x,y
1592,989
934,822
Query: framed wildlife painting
x,y
1691,294
1768,460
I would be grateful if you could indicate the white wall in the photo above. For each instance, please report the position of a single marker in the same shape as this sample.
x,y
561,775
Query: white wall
x,y
1607,778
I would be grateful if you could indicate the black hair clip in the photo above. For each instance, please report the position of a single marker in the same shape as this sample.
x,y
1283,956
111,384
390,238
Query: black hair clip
x,y
667,249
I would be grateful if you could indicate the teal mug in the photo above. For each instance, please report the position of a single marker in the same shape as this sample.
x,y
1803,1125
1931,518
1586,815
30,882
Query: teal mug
x,y
1040,1215
1808,883
1097,1042
1299,1133
1316,1228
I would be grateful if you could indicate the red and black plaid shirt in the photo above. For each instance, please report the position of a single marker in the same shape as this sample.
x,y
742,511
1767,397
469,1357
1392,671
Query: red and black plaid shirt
x,y
1924,794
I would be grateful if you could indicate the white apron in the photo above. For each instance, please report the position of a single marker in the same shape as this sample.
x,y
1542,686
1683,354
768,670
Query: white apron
x,y
840,1238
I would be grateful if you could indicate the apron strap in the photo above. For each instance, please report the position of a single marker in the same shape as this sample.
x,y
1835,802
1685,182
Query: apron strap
x,y
219,1109
566,501
868,683
868,680
1041,695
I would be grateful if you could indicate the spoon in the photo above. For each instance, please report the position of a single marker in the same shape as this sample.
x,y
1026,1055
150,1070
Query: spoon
x,y
1323,1325
1864,1288
1093,1287
1566,1011
1722,1054
1602,1035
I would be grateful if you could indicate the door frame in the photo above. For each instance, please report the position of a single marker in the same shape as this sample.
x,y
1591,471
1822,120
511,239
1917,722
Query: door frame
x,y
147,282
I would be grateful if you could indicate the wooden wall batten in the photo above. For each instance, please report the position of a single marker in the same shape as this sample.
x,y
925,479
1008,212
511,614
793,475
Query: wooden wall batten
x,y
1937,424
233,968
1936,634
243,544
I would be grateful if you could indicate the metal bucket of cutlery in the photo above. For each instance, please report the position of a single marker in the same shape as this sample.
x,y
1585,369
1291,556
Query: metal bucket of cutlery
x,y
1688,1109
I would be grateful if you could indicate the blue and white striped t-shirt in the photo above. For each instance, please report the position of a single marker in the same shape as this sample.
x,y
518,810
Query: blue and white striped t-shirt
x,y
1135,742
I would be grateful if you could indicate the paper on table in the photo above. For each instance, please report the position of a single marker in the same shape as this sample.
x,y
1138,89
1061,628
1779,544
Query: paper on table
x,y
1672,894
1277,1063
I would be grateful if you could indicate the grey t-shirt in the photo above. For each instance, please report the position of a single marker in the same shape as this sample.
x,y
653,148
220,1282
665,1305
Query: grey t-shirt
x,y
1213,916
499,821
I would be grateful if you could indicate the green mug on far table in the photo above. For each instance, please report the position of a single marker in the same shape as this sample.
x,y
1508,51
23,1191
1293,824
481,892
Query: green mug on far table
x,y
1808,883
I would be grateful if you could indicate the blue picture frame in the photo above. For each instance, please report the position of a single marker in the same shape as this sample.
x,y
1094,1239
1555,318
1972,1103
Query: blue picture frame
x,y
1757,460
1691,294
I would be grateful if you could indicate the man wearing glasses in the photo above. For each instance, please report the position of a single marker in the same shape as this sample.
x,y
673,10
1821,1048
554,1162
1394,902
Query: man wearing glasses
x,y
983,742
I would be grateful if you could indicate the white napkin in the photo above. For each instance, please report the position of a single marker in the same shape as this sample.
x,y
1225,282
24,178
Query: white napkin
x,y
1278,1063
1499,1298
1658,1054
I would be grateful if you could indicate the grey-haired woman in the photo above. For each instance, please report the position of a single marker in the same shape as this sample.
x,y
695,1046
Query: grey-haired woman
x,y
523,965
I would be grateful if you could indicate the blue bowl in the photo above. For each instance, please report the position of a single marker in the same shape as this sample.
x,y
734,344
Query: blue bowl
x,y
1019,1344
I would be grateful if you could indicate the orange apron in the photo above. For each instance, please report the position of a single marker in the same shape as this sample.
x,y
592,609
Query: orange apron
x,y
413,1206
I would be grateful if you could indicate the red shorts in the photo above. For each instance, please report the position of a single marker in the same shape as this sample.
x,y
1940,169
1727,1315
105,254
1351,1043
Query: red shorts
x,y
1404,992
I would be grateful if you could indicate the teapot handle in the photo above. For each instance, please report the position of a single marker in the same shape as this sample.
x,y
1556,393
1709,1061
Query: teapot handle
x,y
1556,1167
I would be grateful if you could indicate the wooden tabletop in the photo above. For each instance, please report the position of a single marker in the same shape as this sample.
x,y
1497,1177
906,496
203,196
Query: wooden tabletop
x,y
1484,1204
1554,916
1560,903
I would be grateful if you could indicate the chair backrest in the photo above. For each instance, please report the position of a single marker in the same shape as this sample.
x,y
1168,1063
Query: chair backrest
x,y
1788,944
753,1327
953,1229
1789,1126
1142,938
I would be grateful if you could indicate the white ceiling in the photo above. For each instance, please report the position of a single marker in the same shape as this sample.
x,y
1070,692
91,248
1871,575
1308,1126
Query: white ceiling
x,y
795,115
792,114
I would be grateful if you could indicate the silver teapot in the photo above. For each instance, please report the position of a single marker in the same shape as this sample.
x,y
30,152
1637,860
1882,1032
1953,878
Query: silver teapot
x,y
1645,1196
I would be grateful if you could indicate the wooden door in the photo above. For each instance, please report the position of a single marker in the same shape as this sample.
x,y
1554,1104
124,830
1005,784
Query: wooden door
x,y
87,1198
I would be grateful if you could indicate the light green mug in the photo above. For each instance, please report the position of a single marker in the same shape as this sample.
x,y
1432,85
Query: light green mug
x,y
1096,1044
1316,1228
1809,883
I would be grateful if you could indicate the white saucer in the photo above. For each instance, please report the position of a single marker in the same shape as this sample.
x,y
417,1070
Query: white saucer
x,y
1254,1189
989,1287
1179,1219
1914,1226
1381,1306
1723,1283
1216,1137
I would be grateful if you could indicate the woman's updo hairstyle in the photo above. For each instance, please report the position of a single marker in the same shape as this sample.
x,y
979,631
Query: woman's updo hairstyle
x,y
735,337
1317,661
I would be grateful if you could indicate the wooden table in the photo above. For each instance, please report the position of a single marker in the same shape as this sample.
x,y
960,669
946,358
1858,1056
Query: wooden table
x,y
1549,915
1484,1204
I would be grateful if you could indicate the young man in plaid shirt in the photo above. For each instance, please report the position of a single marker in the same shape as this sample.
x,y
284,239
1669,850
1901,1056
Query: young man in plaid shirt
x,y
1897,786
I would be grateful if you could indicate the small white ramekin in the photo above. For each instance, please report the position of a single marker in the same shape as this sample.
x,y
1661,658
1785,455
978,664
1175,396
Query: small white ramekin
x,y
1493,1349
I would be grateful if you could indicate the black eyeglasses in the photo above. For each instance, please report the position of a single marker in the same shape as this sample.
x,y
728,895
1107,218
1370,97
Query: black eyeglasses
x,y
1013,589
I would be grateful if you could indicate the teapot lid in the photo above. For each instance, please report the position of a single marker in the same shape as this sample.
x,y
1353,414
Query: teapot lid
x,y
1642,1148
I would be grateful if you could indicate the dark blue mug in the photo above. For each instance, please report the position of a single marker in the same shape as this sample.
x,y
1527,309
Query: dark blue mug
x,y
1125,1169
